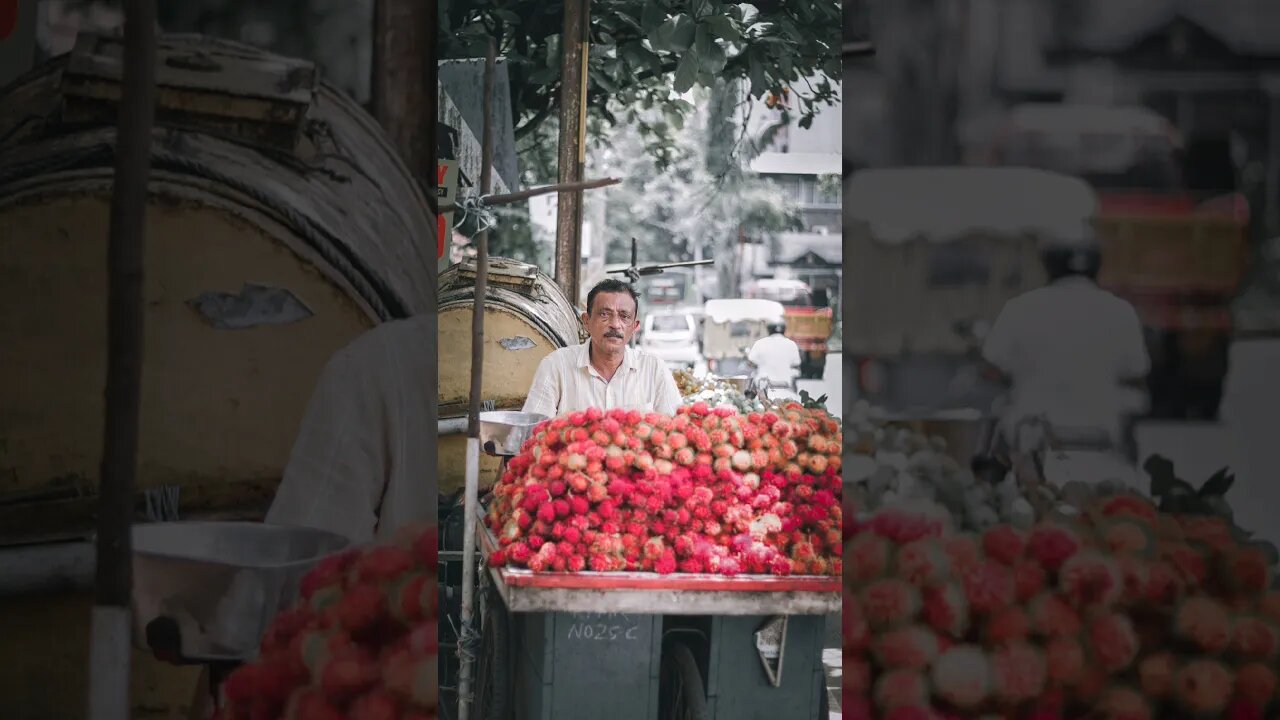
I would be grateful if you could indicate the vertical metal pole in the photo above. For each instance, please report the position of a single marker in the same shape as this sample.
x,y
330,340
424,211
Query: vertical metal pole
x,y
471,488
1271,217
113,585
572,148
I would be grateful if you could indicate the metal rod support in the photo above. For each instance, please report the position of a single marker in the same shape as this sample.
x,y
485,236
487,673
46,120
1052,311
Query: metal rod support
x,y
519,195
472,476
113,586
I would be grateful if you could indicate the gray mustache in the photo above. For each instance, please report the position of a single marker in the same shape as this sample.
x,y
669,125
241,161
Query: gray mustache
x,y
613,334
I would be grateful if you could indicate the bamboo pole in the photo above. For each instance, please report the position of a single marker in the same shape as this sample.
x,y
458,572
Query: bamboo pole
x,y
113,580
471,489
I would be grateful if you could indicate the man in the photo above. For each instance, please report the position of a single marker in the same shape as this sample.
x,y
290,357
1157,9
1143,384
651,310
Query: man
x,y
361,465
604,372
1069,349
777,357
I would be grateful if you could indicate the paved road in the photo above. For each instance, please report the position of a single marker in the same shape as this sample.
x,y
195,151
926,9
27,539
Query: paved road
x,y
829,385
1247,438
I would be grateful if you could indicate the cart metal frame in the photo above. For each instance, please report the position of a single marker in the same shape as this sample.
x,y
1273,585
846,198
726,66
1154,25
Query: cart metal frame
x,y
699,632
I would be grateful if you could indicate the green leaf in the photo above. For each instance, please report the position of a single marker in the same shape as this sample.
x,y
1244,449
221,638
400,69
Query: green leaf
x,y
639,56
722,27
806,122
652,17
1218,485
682,32
702,39
544,75
508,16
660,39
714,60
1269,550
686,73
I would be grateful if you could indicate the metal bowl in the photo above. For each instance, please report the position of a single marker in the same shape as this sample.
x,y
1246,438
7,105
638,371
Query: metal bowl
x,y
502,432
207,591
741,383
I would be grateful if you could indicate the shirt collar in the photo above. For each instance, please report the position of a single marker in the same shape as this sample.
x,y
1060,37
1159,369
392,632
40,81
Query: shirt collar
x,y
1074,281
628,358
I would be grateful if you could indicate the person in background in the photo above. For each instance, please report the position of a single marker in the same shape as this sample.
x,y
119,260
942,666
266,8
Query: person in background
x,y
1070,350
777,357
361,465
604,372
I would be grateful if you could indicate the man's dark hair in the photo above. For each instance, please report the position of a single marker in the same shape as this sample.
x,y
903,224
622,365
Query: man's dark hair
x,y
612,285
1065,262
777,328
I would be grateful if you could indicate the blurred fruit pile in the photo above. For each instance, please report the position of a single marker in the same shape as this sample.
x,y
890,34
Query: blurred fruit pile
x,y
892,465
686,382
1122,612
361,644
715,392
706,491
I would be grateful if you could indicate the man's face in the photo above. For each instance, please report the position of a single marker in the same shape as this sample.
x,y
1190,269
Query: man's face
x,y
611,320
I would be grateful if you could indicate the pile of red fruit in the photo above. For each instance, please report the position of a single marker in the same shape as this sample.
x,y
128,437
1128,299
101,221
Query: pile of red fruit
x,y
1121,613
360,645
706,491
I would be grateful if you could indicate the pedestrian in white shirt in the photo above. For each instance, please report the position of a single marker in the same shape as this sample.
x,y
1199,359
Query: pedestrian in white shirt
x,y
604,372
361,466
777,357
1069,349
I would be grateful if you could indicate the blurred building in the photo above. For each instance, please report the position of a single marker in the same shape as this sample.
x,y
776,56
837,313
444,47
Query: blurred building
x,y
805,163
1211,68
945,72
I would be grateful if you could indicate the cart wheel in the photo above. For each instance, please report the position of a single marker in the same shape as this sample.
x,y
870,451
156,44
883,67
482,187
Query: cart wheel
x,y
493,676
685,698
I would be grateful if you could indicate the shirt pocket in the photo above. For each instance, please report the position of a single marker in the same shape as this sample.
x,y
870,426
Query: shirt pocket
x,y
635,398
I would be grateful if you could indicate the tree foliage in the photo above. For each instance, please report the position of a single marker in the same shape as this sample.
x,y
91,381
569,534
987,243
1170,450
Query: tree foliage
x,y
645,54
702,197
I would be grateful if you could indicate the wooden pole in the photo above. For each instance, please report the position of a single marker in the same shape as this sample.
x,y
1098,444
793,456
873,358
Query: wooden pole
x,y
403,92
573,78
471,490
404,103
113,582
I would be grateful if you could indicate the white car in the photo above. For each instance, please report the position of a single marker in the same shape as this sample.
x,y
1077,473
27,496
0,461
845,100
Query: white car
x,y
673,337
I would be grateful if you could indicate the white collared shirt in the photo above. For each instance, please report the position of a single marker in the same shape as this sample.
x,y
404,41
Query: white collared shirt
x,y
566,382
360,465
1068,347
777,356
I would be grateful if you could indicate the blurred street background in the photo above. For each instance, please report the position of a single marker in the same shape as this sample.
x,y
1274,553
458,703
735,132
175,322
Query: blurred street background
x,y
1170,111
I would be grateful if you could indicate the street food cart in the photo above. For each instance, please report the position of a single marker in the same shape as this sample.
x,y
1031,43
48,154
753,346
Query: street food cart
x,y
629,645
